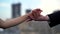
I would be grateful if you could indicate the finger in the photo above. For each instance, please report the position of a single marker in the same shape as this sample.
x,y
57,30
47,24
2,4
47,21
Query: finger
x,y
38,11
34,13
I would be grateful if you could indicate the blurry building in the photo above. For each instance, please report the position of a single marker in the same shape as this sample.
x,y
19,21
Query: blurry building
x,y
16,10
28,10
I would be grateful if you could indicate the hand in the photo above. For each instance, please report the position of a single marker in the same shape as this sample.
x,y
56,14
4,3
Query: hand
x,y
35,14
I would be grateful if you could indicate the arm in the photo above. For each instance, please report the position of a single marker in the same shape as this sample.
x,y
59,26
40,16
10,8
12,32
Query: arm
x,y
54,18
13,22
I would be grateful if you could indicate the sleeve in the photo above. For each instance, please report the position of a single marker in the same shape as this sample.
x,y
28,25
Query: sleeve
x,y
54,19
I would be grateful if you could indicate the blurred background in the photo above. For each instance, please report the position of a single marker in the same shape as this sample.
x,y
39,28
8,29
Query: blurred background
x,y
13,8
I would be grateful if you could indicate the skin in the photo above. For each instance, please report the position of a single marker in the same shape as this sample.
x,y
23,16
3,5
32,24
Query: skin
x,y
37,16
34,15
14,21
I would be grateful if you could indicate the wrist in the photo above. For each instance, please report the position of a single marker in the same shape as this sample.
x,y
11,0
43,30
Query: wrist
x,y
46,18
27,16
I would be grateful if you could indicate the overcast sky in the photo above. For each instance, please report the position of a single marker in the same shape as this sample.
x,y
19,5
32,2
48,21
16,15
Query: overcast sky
x,y
48,6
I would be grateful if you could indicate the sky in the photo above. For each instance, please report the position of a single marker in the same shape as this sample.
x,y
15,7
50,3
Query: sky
x,y
48,6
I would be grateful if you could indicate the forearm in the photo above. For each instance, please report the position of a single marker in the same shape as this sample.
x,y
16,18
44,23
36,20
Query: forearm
x,y
43,18
15,21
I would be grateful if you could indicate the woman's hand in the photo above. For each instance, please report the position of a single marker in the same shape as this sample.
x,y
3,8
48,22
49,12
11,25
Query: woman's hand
x,y
35,14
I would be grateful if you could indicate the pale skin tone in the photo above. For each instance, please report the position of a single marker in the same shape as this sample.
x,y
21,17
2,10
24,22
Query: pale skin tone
x,y
13,22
